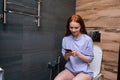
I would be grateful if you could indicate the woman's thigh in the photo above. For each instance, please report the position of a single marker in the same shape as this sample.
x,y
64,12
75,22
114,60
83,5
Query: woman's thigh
x,y
64,75
82,76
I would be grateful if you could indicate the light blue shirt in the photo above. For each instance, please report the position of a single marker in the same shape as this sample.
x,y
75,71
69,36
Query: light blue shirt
x,y
84,45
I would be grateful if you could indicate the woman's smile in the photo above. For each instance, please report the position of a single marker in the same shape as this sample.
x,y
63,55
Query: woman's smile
x,y
75,29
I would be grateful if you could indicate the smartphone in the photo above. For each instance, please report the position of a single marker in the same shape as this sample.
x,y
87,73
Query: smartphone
x,y
69,50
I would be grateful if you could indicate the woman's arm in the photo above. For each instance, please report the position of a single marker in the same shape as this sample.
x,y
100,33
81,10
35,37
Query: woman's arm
x,y
82,56
87,53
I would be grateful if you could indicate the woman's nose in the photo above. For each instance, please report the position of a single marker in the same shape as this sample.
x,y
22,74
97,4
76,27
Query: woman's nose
x,y
73,29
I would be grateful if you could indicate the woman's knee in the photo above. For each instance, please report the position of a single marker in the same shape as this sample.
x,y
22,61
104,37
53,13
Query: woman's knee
x,y
56,78
59,76
64,75
82,77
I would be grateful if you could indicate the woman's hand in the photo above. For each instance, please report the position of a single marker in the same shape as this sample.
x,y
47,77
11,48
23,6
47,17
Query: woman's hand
x,y
81,56
74,53
68,54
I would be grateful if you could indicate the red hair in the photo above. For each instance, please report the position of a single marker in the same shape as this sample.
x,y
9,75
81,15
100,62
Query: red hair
x,y
78,19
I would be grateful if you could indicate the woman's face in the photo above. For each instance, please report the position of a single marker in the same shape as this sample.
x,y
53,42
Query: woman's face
x,y
75,28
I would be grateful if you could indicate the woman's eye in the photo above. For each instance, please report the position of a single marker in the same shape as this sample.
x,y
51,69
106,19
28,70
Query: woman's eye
x,y
71,27
76,27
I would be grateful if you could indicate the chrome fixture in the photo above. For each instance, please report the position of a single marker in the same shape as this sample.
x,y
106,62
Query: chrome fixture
x,y
4,14
38,15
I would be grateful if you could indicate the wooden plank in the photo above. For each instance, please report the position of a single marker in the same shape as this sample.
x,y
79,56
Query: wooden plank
x,y
110,36
109,75
108,46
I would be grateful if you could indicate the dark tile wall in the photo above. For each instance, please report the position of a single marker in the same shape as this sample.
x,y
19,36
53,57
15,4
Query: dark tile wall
x,y
26,49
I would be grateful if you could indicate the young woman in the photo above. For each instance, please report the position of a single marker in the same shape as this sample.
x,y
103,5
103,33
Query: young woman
x,y
80,52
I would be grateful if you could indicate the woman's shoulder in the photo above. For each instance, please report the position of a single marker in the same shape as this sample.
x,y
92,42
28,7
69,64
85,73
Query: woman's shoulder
x,y
67,37
87,37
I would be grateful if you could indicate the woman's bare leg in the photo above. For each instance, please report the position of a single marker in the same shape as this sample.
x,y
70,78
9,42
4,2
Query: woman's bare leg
x,y
64,75
82,76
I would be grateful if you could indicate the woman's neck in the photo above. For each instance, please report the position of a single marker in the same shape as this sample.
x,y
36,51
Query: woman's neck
x,y
77,36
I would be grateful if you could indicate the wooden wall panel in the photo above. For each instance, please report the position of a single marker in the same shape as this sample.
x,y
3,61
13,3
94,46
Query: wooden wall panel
x,y
110,59
104,16
99,13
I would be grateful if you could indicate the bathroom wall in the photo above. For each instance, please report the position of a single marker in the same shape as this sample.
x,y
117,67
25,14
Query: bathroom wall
x,y
25,48
103,16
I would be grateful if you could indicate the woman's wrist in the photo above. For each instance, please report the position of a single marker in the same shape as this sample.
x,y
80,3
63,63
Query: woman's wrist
x,y
75,53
